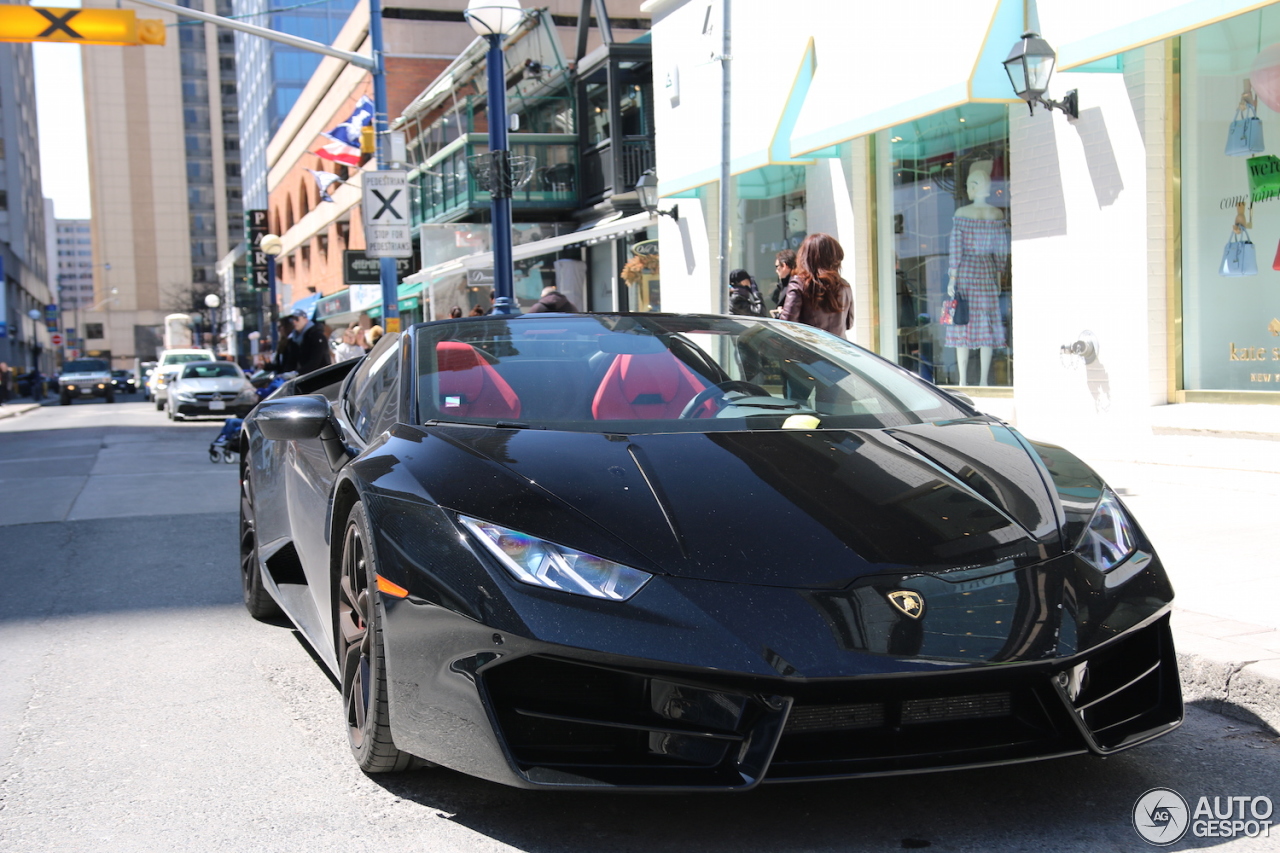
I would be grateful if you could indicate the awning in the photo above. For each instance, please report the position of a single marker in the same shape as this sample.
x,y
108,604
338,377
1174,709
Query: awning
x,y
1083,38
341,305
855,92
484,260
307,303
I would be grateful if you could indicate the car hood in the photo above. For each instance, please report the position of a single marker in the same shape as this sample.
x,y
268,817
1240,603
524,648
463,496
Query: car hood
x,y
220,384
814,509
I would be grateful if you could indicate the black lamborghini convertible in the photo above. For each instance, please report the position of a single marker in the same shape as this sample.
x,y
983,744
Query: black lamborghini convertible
x,y
692,552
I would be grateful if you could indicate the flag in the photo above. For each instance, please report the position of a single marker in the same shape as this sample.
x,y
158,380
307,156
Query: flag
x,y
345,147
324,180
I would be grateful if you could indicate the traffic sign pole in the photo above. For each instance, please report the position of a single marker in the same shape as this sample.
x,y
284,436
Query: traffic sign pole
x,y
387,270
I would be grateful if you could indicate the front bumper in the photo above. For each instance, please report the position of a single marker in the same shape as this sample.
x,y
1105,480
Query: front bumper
x,y
529,715
91,389
198,408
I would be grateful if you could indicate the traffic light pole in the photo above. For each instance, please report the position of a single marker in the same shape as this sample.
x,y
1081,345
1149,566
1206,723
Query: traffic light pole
x,y
374,65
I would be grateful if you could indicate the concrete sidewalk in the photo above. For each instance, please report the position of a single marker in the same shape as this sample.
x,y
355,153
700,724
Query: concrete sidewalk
x,y
1204,482
12,409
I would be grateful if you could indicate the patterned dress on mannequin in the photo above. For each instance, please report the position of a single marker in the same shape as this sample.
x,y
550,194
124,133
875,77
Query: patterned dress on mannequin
x,y
979,252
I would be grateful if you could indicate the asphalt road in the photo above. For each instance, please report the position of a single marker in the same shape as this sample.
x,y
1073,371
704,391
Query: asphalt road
x,y
143,710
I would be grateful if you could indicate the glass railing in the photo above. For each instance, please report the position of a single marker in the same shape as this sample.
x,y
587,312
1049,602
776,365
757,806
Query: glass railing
x,y
444,189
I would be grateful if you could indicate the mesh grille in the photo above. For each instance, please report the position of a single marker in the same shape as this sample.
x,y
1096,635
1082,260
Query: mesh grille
x,y
826,718
956,708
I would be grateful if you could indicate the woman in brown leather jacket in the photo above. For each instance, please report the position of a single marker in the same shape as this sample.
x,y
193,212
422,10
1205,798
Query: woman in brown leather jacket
x,y
817,295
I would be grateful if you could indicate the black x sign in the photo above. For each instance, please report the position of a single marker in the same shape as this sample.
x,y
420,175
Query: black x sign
x,y
386,205
58,23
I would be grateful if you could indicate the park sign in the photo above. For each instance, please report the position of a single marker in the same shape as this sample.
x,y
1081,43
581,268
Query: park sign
x,y
359,268
385,211
255,222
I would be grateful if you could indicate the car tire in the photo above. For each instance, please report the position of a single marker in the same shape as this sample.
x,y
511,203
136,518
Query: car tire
x,y
111,398
64,399
361,655
257,600
168,410
159,405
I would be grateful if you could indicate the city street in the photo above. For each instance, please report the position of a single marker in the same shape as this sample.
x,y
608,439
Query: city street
x,y
145,710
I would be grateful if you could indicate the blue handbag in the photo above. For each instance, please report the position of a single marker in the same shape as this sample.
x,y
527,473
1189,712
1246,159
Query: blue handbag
x,y
1239,258
1245,135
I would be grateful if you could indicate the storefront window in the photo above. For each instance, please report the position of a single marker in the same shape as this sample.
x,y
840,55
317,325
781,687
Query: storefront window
x,y
641,272
771,216
1231,204
943,208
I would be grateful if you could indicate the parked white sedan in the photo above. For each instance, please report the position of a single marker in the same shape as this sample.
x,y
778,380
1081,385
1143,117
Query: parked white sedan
x,y
210,388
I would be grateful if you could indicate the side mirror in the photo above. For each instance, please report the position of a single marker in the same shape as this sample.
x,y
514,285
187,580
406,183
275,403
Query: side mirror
x,y
293,418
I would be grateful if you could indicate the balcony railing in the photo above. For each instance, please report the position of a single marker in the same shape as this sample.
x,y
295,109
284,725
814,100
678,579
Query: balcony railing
x,y
613,168
443,190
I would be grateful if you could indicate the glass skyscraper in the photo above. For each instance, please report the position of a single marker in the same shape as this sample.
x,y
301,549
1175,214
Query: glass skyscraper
x,y
271,76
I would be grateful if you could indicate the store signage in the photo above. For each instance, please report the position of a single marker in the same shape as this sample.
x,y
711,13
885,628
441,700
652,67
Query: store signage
x,y
480,278
645,247
339,303
359,268
255,227
51,317
385,211
1256,355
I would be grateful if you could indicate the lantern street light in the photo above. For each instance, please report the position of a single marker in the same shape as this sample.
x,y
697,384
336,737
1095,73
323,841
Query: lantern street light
x,y
647,190
1029,66
272,245
495,20
212,301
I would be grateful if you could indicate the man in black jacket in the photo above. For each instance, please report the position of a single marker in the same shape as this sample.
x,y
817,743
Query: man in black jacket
x,y
312,346
554,301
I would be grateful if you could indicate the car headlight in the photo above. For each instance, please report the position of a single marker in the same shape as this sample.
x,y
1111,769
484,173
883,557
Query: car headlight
x,y
540,563
1108,540
185,396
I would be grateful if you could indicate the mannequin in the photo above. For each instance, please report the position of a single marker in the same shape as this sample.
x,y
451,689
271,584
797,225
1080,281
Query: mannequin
x,y
979,249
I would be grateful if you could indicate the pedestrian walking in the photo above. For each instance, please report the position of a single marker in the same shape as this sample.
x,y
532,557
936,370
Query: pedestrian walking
x,y
313,346
36,381
347,348
744,294
554,301
784,264
6,382
817,295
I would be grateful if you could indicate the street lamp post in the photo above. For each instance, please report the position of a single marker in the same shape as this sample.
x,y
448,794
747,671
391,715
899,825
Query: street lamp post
x,y
495,20
272,245
212,301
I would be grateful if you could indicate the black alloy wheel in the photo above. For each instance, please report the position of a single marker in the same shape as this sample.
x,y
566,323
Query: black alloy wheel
x,y
257,600
361,656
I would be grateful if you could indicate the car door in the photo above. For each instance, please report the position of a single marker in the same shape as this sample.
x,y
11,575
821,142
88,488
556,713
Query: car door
x,y
361,410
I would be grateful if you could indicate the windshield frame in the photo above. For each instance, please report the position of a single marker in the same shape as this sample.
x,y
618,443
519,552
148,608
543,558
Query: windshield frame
x,y
817,389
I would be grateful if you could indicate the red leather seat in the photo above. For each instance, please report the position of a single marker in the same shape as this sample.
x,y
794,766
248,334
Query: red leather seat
x,y
644,386
469,386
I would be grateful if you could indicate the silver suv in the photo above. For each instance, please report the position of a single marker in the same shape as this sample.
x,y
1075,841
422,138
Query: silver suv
x,y
85,377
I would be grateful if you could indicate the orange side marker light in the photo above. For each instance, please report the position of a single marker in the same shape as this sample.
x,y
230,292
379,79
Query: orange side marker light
x,y
390,588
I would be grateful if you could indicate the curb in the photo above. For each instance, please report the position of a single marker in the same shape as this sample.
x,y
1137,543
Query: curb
x,y
1231,668
10,410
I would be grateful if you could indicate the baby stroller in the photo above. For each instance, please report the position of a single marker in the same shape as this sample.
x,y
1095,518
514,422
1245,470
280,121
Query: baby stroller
x,y
222,449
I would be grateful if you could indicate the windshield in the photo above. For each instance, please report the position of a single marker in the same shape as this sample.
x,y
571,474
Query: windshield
x,y
210,370
654,373
184,357
85,365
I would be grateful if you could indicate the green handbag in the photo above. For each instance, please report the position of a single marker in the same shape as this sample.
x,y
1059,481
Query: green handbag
x,y
1264,177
